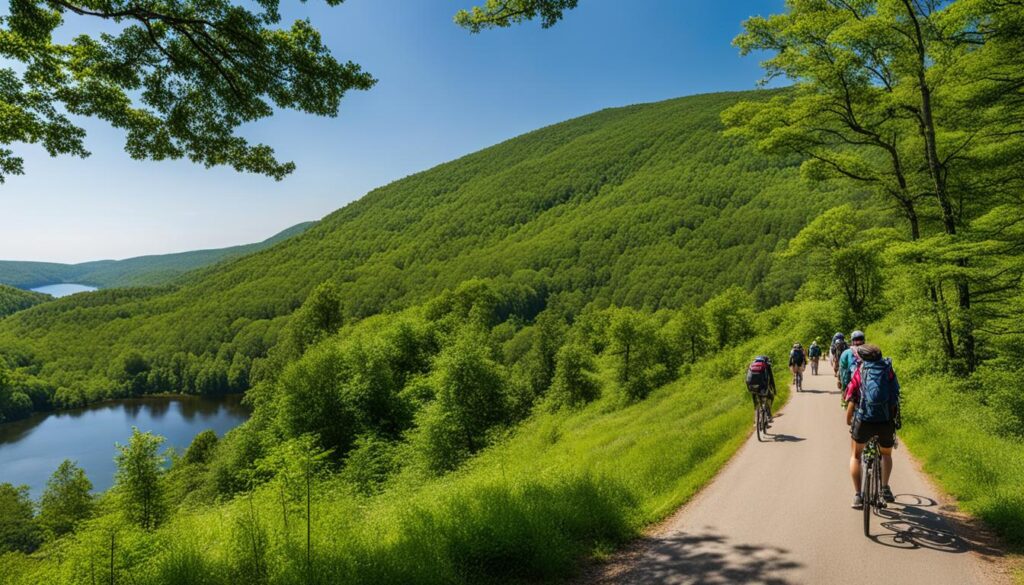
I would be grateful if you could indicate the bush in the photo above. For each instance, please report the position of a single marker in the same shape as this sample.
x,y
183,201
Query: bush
x,y
18,528
370,463
574,382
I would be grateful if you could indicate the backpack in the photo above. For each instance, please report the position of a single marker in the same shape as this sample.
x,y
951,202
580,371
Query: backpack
x,y
838,348
757,375
796,356
814,351
878,391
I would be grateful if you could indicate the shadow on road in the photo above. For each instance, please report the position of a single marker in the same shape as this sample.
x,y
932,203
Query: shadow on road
x,y
908,524
786,438
706,558
812,391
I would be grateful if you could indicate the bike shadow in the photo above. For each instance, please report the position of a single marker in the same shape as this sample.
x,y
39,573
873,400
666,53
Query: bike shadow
x,y
784,438
911,525
811,391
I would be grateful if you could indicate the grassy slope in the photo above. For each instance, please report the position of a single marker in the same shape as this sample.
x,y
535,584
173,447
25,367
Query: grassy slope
x,y
950,430
645,205
140,271
13,300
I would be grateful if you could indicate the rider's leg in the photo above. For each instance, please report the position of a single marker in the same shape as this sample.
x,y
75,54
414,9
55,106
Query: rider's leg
x,y
856,449
886,464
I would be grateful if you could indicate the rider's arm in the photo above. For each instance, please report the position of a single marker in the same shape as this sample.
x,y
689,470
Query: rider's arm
x,y
852,390
850,409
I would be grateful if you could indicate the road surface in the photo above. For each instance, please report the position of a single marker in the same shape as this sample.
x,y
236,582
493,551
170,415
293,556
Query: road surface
x,y
779,513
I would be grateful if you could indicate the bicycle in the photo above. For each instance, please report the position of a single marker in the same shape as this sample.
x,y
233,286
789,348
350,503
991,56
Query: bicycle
x,y
799,380
871,481
761,417
814,366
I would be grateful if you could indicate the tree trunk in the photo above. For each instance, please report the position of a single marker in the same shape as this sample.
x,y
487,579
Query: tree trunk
x,y
937,171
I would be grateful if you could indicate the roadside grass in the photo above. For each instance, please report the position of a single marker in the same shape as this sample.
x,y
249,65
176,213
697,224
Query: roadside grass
x,y
946,427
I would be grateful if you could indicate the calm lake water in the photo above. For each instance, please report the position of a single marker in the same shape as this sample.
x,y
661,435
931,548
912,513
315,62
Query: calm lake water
x,y
31,449
63,290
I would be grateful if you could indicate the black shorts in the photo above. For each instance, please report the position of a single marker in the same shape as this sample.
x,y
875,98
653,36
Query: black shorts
x,y
861,431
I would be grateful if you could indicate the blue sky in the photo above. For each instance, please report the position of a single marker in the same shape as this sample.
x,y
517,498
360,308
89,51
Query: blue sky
x,y
442,93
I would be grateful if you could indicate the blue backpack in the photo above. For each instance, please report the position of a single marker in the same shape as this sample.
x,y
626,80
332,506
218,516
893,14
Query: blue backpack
x,y
878,392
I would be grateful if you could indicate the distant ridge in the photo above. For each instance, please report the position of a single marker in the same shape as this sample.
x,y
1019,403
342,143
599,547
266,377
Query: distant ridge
x,y
14,299
151,270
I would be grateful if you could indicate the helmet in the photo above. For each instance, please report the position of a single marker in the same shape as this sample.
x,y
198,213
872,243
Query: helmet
x,y
838,335
815,342
858,334
797,345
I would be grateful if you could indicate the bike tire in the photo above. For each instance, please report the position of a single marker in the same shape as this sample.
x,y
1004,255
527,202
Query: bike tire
x,y
760,424
877,487
866,489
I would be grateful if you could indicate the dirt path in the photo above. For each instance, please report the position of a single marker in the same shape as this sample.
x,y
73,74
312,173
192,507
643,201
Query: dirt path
x,y
780,513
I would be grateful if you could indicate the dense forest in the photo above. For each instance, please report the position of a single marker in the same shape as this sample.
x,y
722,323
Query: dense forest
x,y
648,206
492,369
13,299
153,270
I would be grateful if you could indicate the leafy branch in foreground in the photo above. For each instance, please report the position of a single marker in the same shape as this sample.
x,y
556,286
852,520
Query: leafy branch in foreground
x,y
178,77
504,13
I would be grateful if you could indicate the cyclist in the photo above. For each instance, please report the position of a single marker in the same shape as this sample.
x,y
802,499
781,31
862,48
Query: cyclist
x,y
761,381
873,410
849,360
836,349
814,353
797,359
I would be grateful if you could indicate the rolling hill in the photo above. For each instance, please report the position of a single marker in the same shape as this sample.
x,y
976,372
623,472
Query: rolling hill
x,y
150,270
644,206
14,299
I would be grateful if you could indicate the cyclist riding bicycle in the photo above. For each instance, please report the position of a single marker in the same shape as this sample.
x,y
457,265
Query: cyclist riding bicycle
x,y
873,410
849,360
761,381
797,358
836,349
814,353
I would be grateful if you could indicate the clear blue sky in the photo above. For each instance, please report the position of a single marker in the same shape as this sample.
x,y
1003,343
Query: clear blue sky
x,y
442,93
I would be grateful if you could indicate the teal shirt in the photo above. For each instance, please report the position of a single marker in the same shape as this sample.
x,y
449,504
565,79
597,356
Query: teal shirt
x,y
846,363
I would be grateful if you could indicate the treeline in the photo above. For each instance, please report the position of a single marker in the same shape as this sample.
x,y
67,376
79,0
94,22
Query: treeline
x,y
634,207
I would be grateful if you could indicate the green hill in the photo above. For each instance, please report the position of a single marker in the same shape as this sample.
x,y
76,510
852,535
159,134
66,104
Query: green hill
x,y
490,370
151,270
14,299
647,206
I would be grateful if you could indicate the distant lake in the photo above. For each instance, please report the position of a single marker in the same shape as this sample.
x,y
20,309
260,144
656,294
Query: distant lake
x,y
31,449
63,290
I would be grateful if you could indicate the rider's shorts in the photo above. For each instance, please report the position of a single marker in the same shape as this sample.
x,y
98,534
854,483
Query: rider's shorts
x,y
755,388
862,431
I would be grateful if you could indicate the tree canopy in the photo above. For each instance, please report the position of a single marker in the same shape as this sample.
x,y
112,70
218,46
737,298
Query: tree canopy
x,y
178,77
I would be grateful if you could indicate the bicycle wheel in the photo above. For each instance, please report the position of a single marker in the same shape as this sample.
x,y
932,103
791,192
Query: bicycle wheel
x,y
866,493
759,422
877,487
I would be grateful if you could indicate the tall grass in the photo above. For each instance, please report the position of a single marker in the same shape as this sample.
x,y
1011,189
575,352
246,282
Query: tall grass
x,y
946,426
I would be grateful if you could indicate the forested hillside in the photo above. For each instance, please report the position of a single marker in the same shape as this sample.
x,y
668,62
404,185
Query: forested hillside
x,y
490,370
644,206
139,271
13,300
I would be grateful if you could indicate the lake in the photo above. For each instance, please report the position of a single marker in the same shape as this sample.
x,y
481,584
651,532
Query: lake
x,y
31,449
64,289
